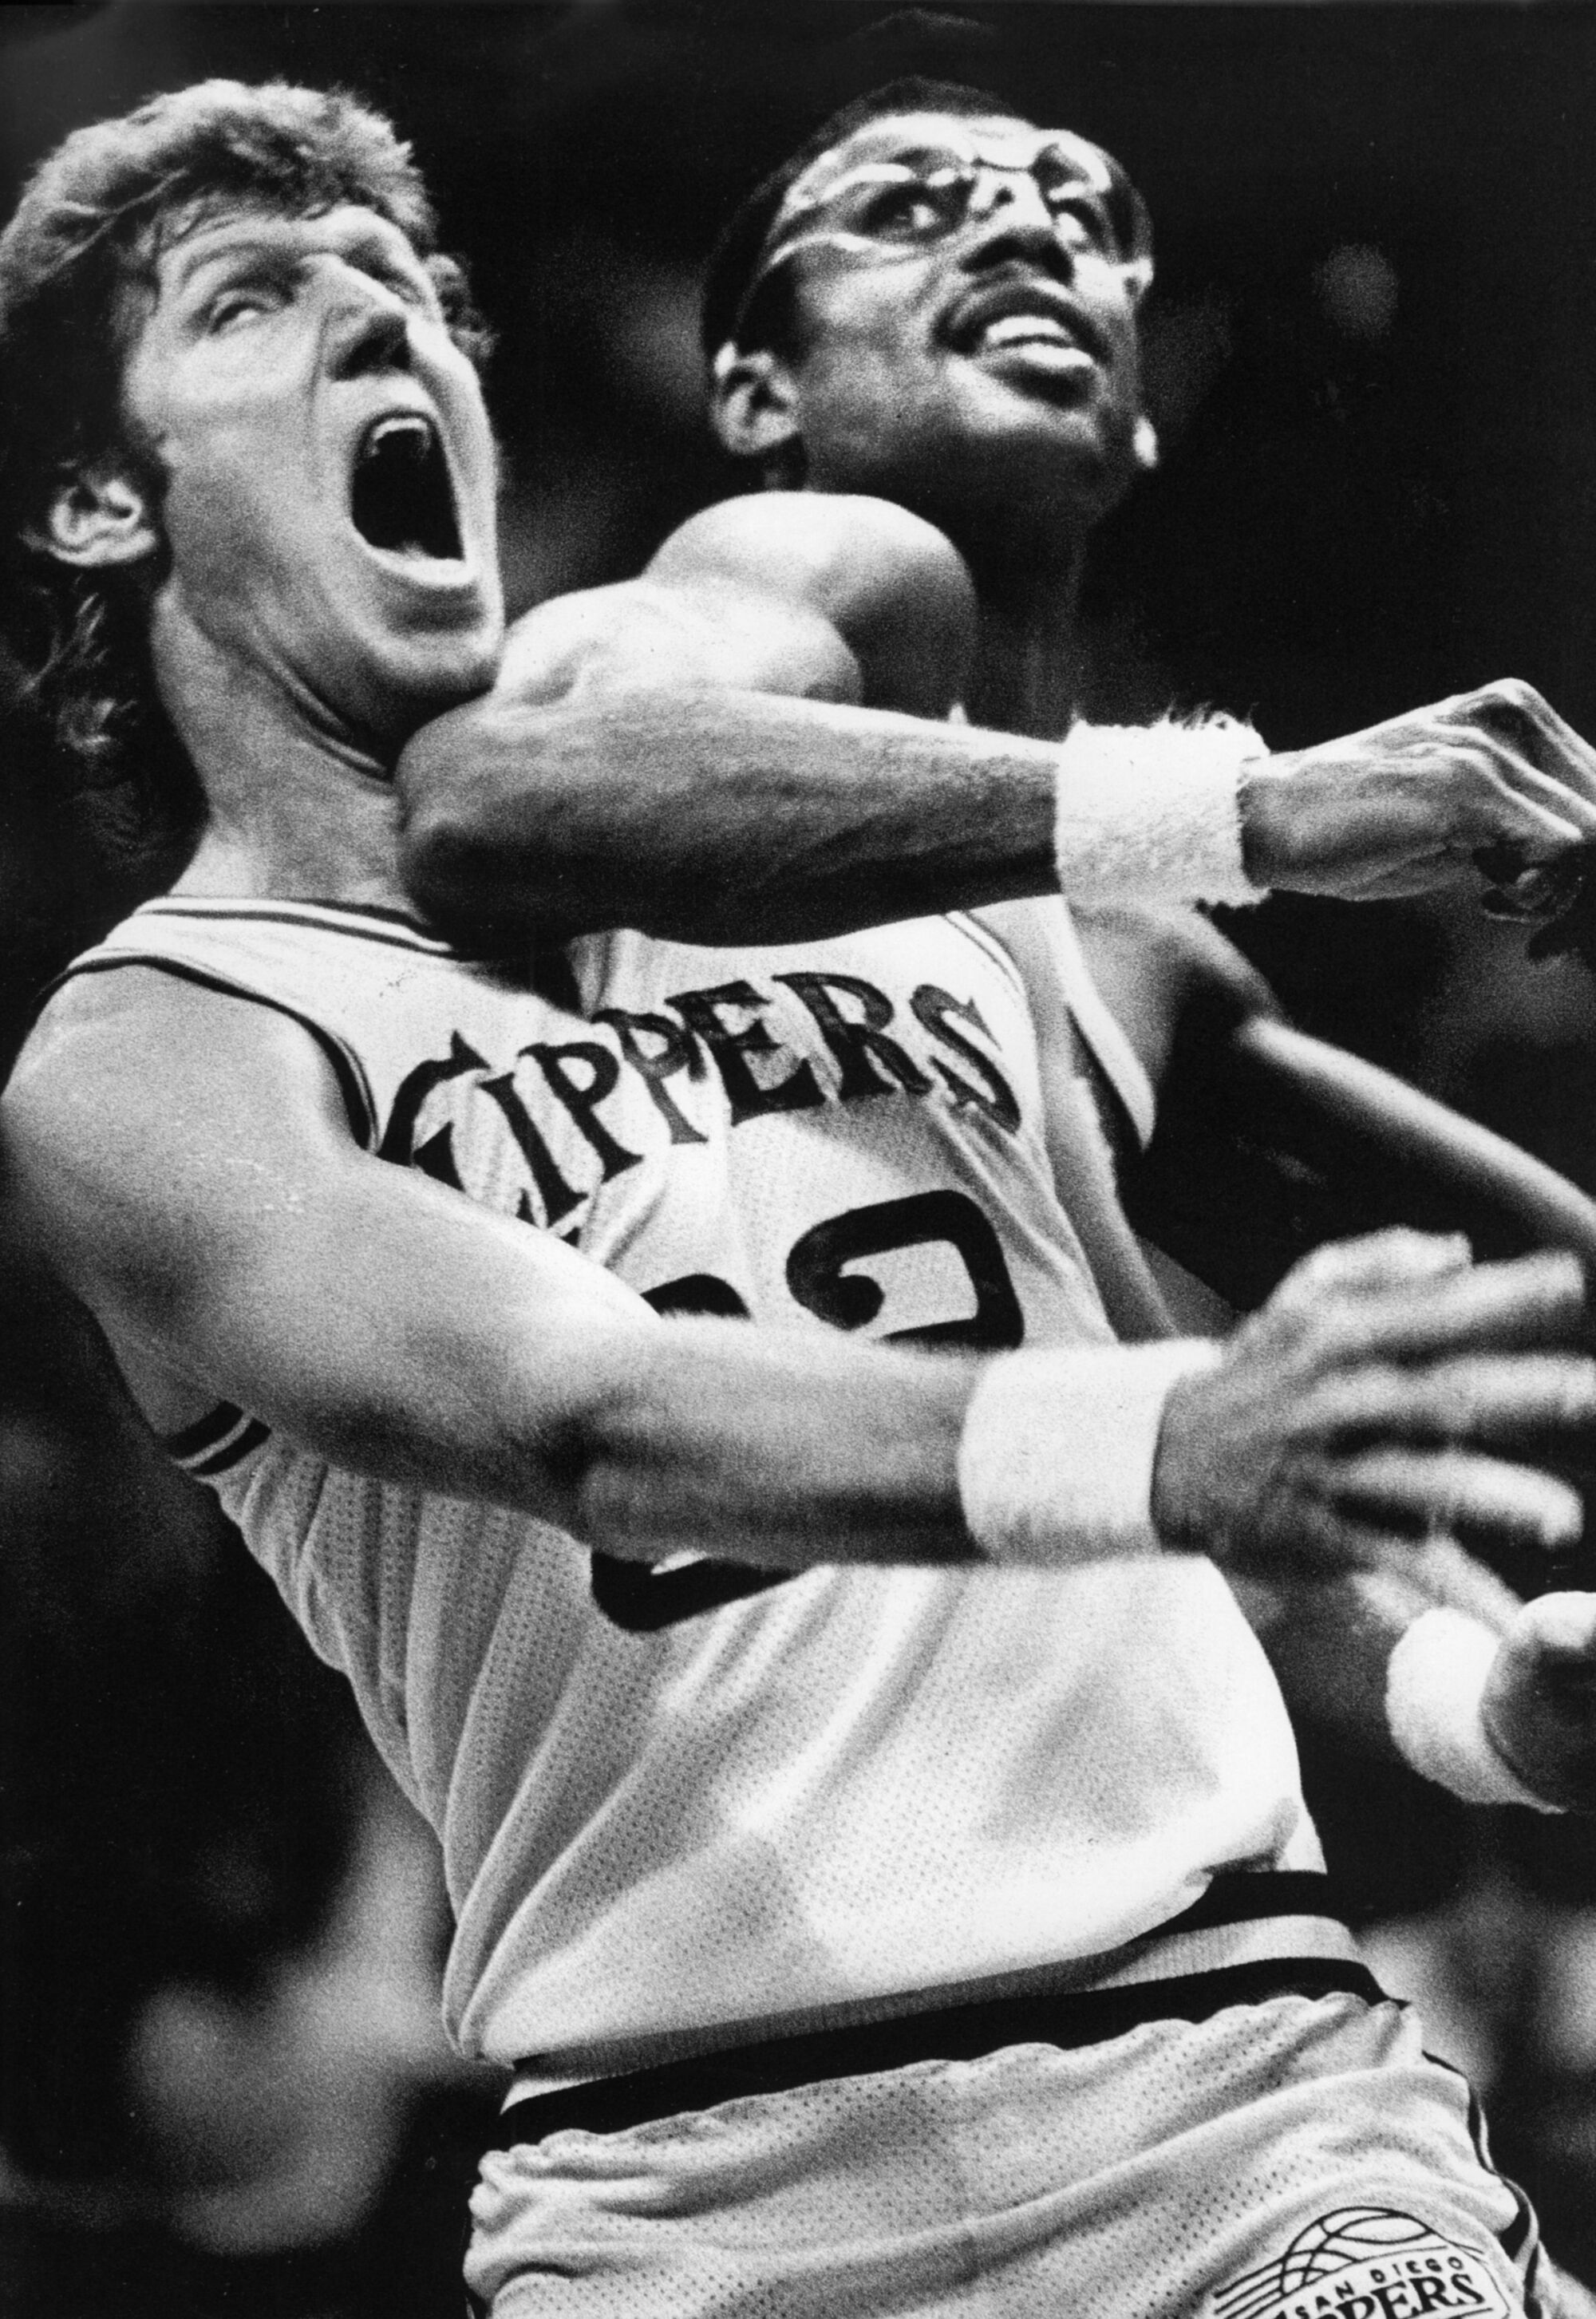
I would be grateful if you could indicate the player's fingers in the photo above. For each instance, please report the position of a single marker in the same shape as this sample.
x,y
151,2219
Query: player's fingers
x,y
1446,1490
1478,1397
1515,714
1299,1526
1534,1301
1544,792
1376,1260
1473,790
1512,814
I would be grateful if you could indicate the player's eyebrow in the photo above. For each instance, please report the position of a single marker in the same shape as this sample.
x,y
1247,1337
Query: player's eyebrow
x,y
251,240
224,246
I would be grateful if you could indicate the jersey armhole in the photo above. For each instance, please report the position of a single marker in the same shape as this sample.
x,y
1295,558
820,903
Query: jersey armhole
x,y
1101,1032
353,1088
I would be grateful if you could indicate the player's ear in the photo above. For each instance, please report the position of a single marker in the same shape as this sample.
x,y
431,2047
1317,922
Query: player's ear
x,y
753,404
1144,444
98,518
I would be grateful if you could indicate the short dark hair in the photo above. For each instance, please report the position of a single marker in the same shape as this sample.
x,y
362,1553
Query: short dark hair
x,y
735,259
87,230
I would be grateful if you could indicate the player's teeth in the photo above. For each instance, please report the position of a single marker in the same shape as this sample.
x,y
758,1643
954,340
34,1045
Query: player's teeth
x,y
1018,330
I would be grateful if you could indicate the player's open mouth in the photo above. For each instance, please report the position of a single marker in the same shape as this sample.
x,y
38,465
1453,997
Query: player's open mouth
x,y
1021,330
401,498
1023,314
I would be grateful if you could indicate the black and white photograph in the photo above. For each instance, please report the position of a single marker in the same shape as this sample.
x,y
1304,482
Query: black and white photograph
x,y
798,1160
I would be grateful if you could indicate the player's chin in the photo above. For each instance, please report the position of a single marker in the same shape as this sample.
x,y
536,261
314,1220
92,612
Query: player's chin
x,y
398,684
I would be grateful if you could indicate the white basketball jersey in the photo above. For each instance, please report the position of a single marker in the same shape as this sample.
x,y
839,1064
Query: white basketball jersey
x,y
670,1806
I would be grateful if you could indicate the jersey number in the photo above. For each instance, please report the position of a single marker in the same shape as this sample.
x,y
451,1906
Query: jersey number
x,y
643,1599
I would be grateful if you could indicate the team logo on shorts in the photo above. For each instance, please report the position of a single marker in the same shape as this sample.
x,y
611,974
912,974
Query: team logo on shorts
x,y
1365,2262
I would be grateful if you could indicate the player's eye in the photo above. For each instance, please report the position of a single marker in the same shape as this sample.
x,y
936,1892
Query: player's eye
x,y
1081,216
903,211
241,303
415,289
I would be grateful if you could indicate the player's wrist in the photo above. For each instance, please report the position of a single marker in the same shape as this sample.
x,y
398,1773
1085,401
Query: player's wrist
x,y
1057,1453
1153,813
1435,1692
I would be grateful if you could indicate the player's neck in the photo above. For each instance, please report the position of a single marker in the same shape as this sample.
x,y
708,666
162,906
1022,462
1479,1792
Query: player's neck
x,y
294,807
1027,668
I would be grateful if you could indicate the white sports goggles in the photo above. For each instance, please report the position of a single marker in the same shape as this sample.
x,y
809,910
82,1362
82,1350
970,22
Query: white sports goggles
x,y
905,204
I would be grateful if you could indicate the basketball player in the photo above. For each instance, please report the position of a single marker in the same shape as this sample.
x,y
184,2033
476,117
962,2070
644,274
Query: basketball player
x,y
925,214
713,751
313,1171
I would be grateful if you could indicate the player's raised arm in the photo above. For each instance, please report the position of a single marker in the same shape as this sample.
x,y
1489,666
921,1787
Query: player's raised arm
x,y
748,744
204,1194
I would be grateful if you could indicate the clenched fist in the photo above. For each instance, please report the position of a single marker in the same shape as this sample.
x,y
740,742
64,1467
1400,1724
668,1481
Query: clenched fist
x,y
1372,1401
1407,806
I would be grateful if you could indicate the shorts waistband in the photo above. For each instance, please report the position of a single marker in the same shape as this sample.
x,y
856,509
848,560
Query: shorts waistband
x,y
953,2033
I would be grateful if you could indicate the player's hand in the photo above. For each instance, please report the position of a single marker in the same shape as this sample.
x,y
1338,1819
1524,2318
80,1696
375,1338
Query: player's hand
x,y
1408,806
1373,1404
1539,1707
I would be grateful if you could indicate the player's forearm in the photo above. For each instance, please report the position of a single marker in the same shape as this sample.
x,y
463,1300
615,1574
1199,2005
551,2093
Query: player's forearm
x,y
782,1451
640,1436
720,815
646,1437
715,816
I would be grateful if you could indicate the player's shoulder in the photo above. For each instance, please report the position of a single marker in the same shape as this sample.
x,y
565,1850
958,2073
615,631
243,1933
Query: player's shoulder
x,y
93,1021
549,646
131,1061
842,553
91,1087
768,530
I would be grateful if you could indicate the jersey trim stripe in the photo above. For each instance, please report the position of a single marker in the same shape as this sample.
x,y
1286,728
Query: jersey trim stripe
x,y
222,1439
205,1433
1520,2239
354,1086
1104,1036
986,941
394,931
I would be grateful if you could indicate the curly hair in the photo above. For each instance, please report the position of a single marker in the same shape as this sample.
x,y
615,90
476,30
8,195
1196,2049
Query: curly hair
x,y
87,233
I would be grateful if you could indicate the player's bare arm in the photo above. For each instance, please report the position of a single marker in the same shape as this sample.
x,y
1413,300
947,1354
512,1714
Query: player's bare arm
x,y
719,751
187,1158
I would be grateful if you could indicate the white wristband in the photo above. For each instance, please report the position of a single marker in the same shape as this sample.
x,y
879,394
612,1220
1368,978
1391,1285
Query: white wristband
x,y
1434,1686
1056,1459
1151,812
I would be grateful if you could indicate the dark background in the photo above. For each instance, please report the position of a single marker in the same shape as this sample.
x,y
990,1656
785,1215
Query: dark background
x,y
1370,355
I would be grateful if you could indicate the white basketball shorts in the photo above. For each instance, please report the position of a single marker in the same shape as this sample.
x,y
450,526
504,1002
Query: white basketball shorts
x,y
1301,2158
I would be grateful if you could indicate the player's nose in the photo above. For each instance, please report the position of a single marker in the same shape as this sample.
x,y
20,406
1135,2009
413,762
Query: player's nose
x,y
1015,221
368,329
